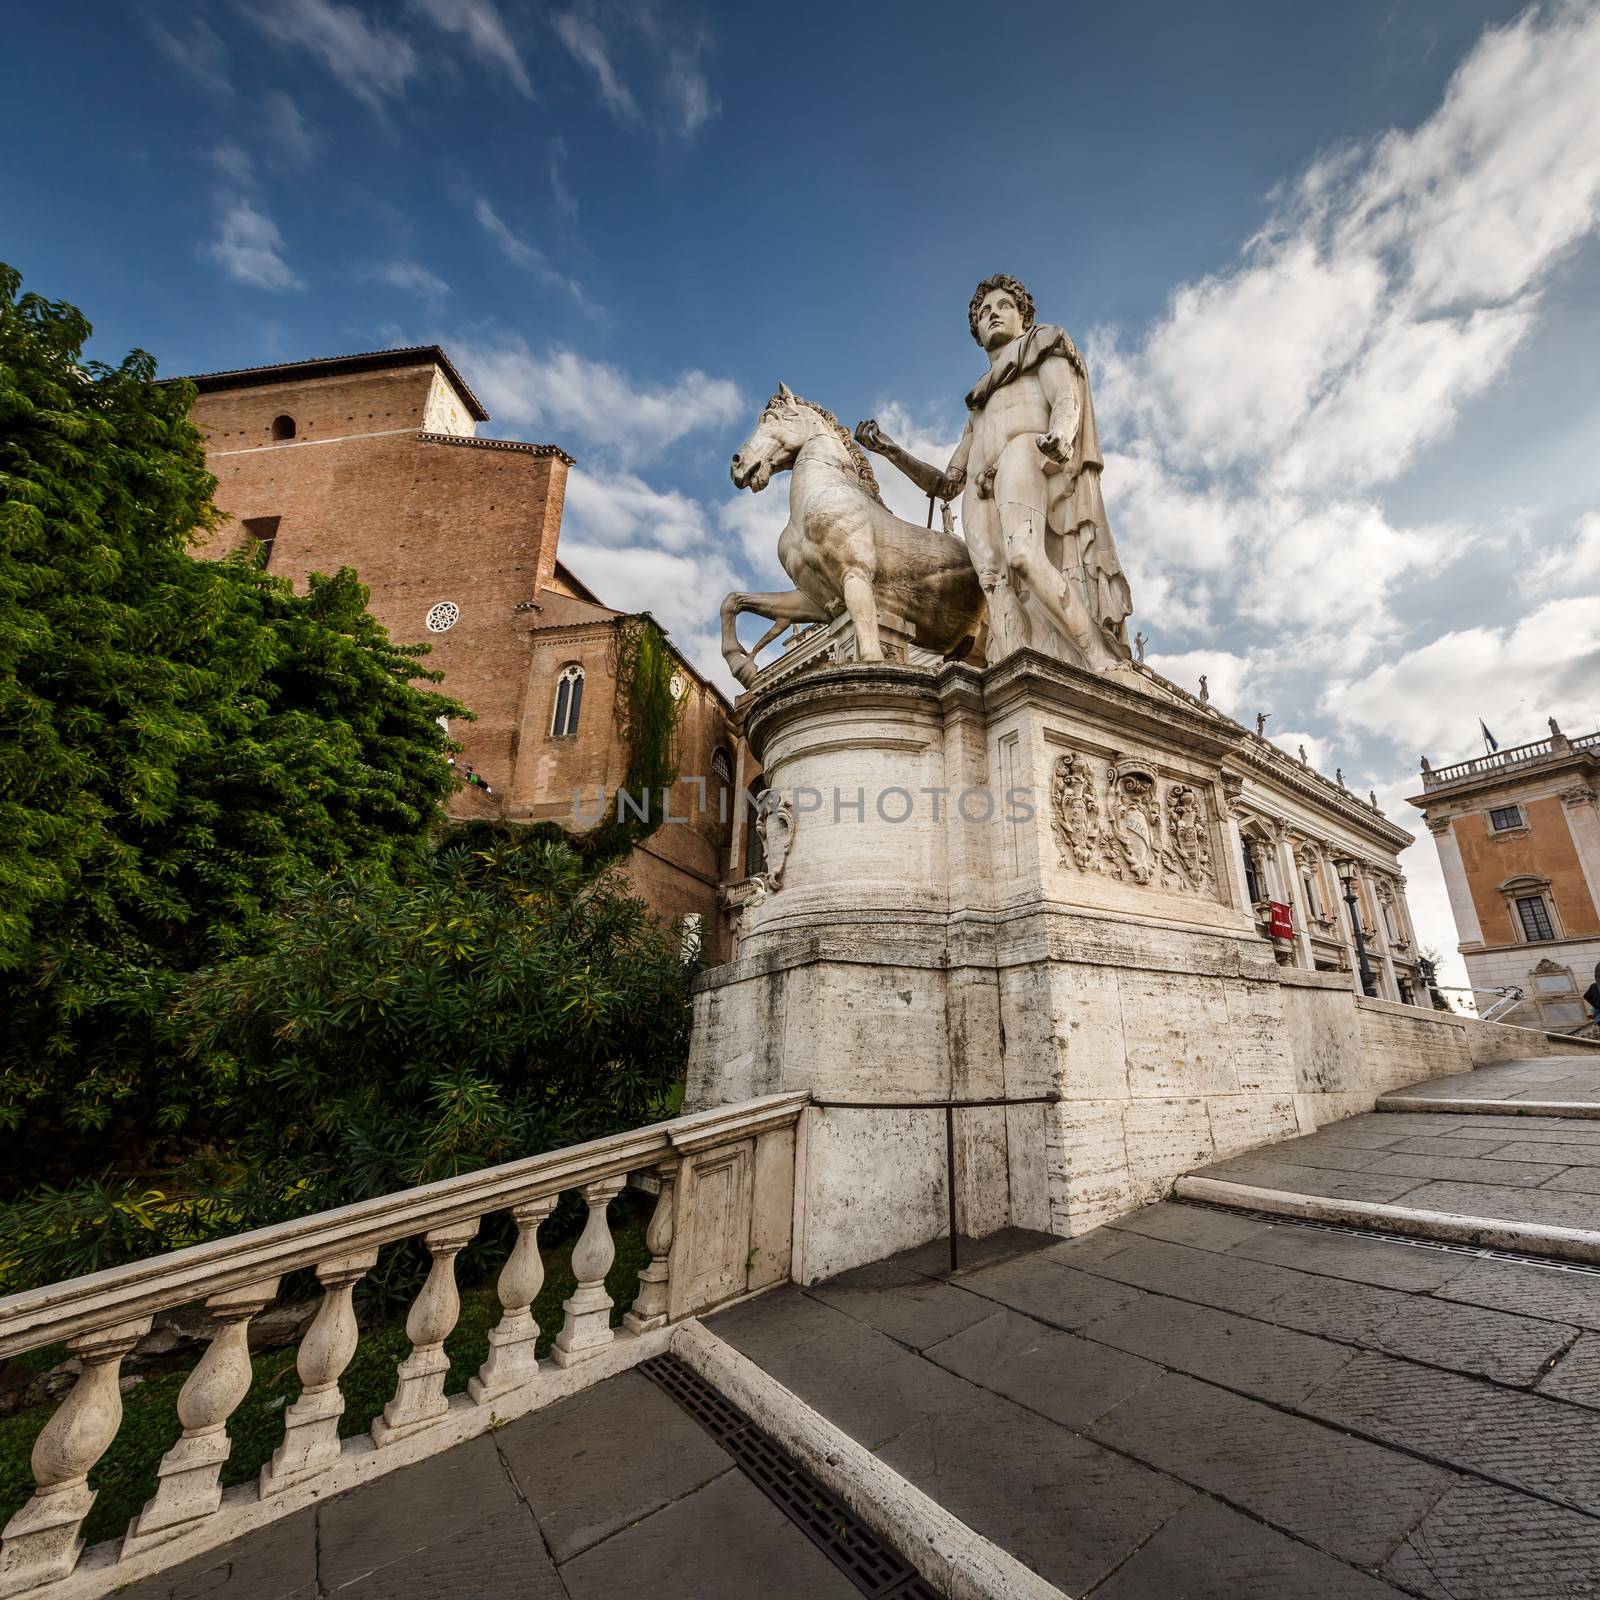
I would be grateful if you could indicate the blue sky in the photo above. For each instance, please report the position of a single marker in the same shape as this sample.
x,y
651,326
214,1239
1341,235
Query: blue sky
x,y
1335,269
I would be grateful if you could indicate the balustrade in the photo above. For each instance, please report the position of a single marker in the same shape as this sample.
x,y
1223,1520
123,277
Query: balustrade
x,y
101,1318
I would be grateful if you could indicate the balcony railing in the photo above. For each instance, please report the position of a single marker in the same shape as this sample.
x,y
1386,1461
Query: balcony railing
x,y
1518,756
721,1229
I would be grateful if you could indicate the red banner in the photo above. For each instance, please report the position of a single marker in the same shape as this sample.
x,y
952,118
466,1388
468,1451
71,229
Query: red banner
x,y
1282,920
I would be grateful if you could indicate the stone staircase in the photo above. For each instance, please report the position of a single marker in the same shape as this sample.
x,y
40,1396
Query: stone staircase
x,y
1504,1157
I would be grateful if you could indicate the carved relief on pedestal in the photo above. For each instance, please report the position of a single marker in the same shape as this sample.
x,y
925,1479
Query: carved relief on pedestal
x,y
775,824
1117,819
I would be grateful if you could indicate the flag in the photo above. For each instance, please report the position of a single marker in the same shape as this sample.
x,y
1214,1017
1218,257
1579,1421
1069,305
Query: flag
x,y
1488,738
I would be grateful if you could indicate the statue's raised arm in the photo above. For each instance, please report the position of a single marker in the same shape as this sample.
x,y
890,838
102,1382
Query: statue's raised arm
x,y
929,479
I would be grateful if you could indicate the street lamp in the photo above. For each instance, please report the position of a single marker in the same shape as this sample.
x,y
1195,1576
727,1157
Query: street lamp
x,y
1347,876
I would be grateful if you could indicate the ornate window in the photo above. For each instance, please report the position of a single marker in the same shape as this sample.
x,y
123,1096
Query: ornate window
x,y
442,617
1503,817
569,701
1535,918
1532,908
283,428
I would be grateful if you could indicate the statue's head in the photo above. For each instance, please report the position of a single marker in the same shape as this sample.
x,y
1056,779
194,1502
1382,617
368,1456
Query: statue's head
x,y
1001,310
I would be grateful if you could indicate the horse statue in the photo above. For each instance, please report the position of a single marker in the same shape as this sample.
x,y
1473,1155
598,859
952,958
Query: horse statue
x,y
843,548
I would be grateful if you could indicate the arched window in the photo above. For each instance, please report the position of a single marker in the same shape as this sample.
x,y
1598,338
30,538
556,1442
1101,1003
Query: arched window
x,y
283,428
721,765
569,700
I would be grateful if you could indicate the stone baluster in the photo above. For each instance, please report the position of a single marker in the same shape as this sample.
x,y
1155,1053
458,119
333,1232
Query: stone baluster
x,y
419,1400
189,1479
650,1308
587,1329
511,1361
311,1425
41,1542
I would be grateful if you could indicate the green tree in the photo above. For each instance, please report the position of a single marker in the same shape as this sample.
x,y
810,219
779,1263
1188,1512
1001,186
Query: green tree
x,y
180,740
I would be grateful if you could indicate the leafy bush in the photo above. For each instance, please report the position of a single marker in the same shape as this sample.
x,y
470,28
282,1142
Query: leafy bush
x,y
180,740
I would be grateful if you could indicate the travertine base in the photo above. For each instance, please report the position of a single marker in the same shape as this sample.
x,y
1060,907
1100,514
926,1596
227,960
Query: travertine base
x,y
976,949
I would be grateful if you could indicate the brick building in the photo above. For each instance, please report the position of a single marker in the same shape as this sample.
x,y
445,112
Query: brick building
x,y
372,461
1518,835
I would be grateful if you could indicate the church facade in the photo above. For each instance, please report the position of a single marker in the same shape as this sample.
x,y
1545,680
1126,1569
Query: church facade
x,y
373,461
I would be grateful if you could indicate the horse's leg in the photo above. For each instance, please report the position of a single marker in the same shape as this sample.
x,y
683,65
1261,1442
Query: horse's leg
x,y
863,609
780,606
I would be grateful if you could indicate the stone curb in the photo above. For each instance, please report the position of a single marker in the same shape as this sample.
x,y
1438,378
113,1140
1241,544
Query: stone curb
x,y
1534,1238
957,1561
1465,1106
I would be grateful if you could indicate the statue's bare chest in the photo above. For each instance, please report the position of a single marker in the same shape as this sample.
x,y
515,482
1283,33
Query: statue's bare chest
x,y
1015,408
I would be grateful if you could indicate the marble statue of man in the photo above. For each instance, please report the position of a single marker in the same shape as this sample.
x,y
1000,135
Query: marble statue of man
x,y
1028,471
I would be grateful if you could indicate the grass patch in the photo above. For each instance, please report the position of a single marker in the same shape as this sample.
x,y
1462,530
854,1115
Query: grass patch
x,y
125,1477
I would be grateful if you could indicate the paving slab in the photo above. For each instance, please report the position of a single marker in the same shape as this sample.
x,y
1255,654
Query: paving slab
x,y
909,1306
1063,1296
1257,1358
503,1556
1576,1180
1557,1294
278,1562
1266,1172
1503,1202
1350,1498
605,1458
726,1541
1187,1274
856,1377
933,1258
1494,1168
1481,1542
404,1512
1565,1083
1210,1552
1066,1378
1576,1376
1336,1254
1064,1506
1521,1440
1193,1225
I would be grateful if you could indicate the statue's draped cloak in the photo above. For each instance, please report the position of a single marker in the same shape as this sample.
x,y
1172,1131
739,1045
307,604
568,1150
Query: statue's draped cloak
x,y
1073,507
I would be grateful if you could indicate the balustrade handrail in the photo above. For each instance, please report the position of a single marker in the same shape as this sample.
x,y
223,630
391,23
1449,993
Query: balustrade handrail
x,y
1516,756
59,1311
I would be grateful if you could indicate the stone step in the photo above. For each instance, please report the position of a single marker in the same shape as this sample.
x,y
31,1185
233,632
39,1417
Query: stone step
x,y
1549,1086
1479,1227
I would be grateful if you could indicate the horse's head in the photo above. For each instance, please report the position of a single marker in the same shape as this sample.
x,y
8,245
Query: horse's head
x,y
784,426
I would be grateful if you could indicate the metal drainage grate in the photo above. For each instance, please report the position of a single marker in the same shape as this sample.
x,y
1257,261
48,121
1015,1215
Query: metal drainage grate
x,y
875,1568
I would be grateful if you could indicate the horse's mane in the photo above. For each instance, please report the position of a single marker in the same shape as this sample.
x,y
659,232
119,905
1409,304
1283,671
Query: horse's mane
x,y
858,456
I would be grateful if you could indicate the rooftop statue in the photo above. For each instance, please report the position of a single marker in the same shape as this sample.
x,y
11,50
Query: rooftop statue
x,y
843,548
1028,473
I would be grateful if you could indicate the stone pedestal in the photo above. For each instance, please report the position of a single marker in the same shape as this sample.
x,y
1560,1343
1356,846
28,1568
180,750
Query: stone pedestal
x,y
1012,882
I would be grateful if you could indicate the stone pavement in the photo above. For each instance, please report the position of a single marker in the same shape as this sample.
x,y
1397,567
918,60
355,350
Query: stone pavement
x,y
1565,1086
1193,1405
1508,1172
612,1494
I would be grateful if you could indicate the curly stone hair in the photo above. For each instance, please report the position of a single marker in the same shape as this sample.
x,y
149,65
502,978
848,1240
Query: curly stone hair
x,y
858,456
1018,293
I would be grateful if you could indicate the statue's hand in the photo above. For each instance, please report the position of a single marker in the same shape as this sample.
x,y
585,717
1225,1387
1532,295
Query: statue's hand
x,y
1054,448
871,437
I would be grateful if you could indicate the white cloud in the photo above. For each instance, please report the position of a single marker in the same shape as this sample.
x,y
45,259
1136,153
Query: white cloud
x,y
518,250
620,510
1429,699
249,247
373,62
594,402
412,277
754,522
560,191
1228,677
1258,420
235,164
581,34
197,48
688,92
1572,567
480,25
290,138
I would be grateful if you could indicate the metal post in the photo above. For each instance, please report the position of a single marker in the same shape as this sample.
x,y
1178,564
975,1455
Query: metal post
x,y
950,1174
1368,985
